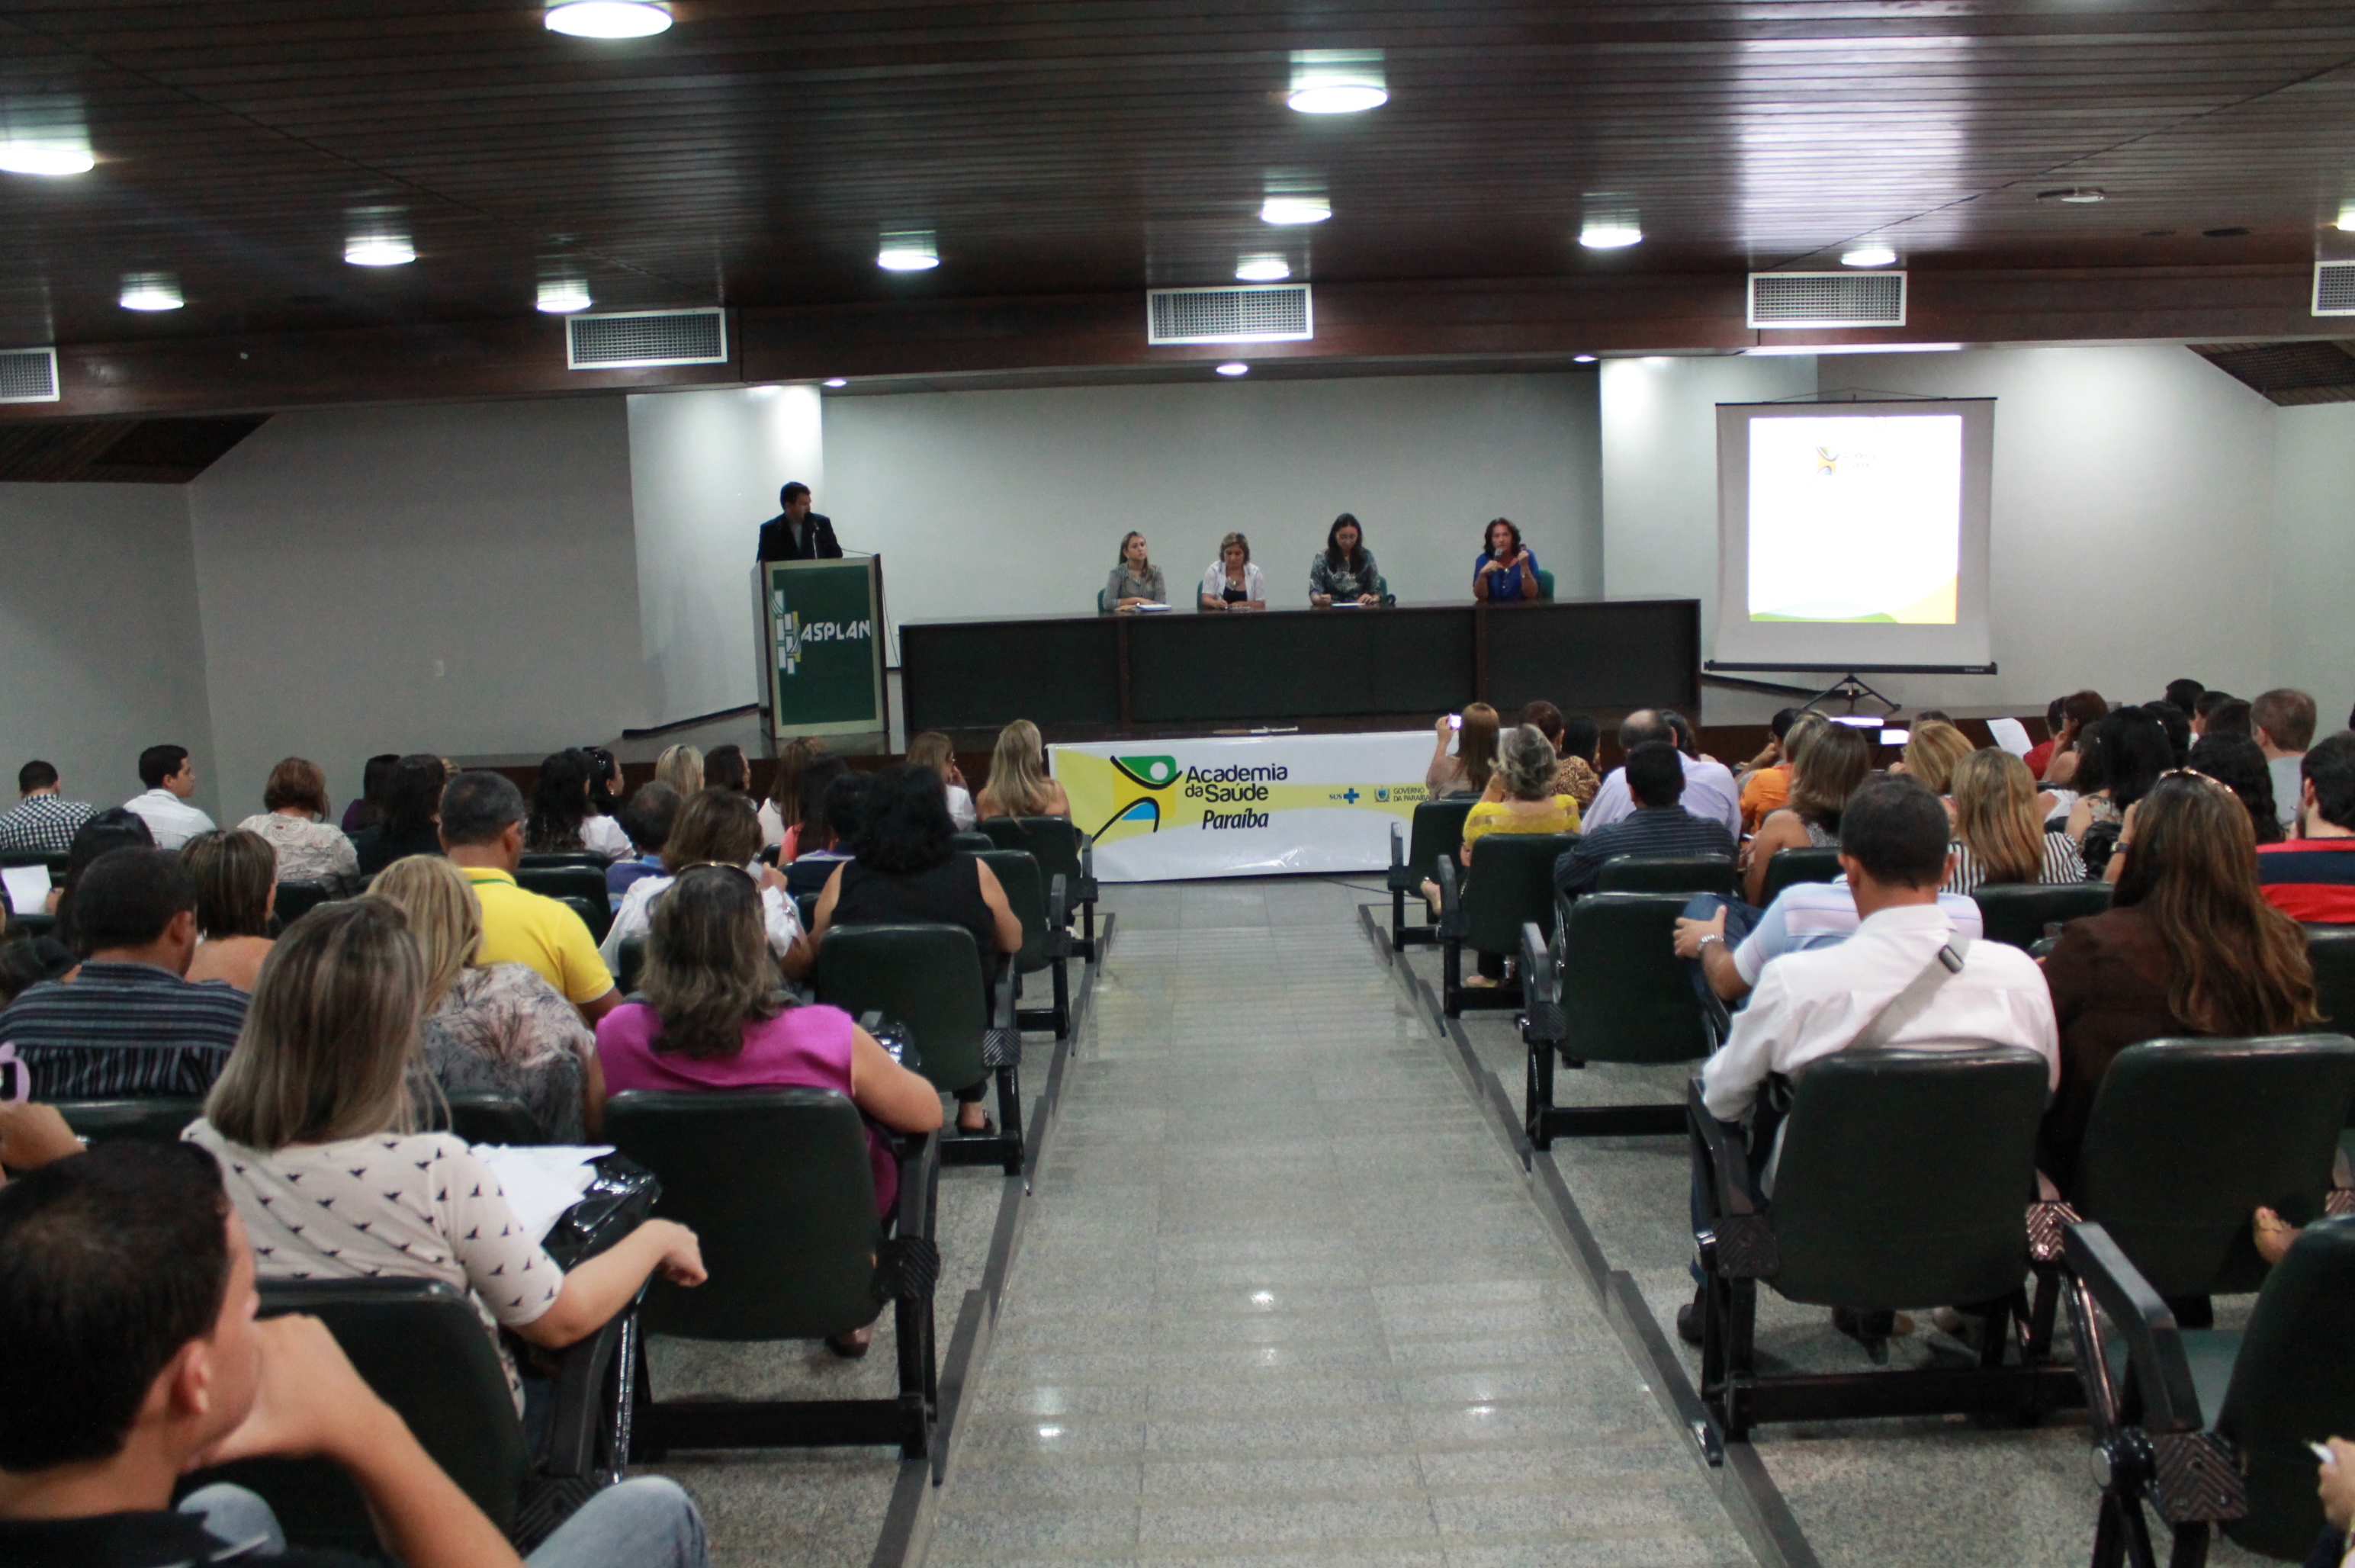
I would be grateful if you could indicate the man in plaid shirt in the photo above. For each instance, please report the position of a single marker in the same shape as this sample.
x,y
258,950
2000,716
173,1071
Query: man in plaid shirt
x,y
41,820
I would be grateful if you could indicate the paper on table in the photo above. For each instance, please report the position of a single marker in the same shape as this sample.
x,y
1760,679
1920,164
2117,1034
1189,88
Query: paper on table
x,y
1149,607
2011,735
28,887
542,1183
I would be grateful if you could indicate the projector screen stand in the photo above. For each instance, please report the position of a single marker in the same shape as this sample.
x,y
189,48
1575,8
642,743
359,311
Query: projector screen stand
x,y
1849,688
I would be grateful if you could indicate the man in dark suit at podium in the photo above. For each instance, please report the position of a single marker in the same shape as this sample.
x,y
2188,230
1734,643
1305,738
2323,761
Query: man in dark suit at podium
x,y
797,533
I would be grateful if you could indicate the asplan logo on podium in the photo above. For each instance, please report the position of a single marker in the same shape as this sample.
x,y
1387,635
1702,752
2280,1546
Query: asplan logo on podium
x,y
793,633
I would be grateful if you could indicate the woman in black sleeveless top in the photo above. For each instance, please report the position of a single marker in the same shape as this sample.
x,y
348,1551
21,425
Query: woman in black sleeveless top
x,y
905,868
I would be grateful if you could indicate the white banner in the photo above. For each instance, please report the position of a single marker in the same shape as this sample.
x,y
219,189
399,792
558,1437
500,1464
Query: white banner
x,y
1248,806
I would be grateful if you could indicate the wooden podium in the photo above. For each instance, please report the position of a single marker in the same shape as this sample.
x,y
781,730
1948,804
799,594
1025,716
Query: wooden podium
x,y
821,645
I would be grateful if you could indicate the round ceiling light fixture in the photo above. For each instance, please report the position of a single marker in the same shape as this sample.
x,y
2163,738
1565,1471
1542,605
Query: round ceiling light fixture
x,y
1234,367
1610,233
609,18
837,380
51,158
1263,270
909,250
1872,255
2347,216
1338,82
151,290
1581,358
378,237
563,296
1294,209
2076,195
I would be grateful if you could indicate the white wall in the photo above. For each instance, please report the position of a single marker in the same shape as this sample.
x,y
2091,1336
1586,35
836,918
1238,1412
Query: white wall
x,y
1014,502
2314,556
705,470
99,644
458,579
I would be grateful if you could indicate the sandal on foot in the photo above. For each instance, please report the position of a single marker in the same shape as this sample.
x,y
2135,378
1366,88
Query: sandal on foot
x,y
852,1345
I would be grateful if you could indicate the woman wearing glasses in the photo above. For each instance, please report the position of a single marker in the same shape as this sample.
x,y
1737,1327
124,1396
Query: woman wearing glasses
x,y
720,828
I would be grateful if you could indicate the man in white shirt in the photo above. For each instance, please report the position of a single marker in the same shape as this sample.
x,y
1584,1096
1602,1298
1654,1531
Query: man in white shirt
x,y
1710,792
1802,917
171,779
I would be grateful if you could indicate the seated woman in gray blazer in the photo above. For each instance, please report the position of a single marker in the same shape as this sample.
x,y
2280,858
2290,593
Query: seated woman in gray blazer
x,y
1136,580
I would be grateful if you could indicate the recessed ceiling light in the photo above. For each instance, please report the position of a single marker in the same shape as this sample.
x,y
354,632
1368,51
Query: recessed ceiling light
x,y
1234,367
2079,194
378,237
1294,209
1867,256
1263,268
1581,358
50,157
1609,234
563,297
909,250
151,290
1772,349
837,380
609,18
2347,216
1338,82
380,251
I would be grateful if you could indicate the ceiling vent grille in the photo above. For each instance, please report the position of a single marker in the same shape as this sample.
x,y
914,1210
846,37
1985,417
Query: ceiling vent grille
x,y
1827,299
2334,288
1266,313
632,340
28,375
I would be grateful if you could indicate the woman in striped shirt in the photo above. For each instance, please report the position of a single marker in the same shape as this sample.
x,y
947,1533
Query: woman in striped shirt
x,y
1998,832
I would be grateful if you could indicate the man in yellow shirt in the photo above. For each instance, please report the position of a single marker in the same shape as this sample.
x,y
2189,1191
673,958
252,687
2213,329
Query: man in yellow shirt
x,y
482,832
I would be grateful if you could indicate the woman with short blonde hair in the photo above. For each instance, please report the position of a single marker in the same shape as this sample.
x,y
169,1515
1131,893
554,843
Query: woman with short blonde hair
x,y
1931,753
681,767
1232,582
1018,785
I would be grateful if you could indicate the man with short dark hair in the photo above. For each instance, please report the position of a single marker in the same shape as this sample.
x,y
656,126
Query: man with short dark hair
x,y
2209,701
2186,693
41,820
1655,780
647,819
128,1023
2284,721
1709,789
2311,877
127,1303
482,832
171,779
797,533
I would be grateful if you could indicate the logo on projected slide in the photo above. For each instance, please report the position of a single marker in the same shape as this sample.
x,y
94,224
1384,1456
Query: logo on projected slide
x,y
1826,463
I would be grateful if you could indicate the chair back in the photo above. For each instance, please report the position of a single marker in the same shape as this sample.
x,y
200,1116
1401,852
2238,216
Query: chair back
x,y
481,1117
1437,829
1054,842
631,962
1905,1176
775,1184
1788,866
418,1345
2189,1137
544,859
2015,913
296,900
1511,882
973,842
1005,832
1545,584
2331,950
56,863
159,1120
35,925
582,887
2293,1383
1625,995
1026,891
1665,873
928,977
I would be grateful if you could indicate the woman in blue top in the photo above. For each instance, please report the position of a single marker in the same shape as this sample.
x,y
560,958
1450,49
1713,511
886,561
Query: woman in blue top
x,y
1506,570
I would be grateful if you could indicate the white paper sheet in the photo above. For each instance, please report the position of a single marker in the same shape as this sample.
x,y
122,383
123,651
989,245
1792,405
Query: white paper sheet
x,y
28,887
2011,735
542,1183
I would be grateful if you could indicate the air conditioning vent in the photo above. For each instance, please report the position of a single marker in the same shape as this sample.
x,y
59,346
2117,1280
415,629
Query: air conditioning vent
x,y
28,374
2334,288
1265,313
1827,299
631,340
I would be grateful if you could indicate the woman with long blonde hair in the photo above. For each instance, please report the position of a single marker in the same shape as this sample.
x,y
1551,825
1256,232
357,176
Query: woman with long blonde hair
x,y
1998,830
1469,771
1931,753
1018,785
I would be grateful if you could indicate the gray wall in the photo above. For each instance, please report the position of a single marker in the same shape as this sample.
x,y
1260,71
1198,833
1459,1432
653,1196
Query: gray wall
x,y
2314,556
453,579
99,642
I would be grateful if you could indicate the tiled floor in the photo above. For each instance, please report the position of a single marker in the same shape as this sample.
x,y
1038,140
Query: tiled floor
x,y
1283,1297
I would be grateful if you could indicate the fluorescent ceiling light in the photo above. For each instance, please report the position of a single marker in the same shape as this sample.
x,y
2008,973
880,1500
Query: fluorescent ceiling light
x,y
1773,348
563,297
1338,82
1234,367
2078,194
151,290
837,380
1873,255
1582,358
1263,268
48,156
2347,216
609,18
909,250
1610,233
378,237
1295,209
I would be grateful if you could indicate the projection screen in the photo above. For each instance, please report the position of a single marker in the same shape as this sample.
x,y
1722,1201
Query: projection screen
x,y
1853,536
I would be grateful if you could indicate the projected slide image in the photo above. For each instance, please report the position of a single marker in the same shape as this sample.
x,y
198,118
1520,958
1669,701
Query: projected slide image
x,y
1855,517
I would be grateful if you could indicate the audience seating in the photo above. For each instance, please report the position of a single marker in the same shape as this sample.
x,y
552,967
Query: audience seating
x,y
805,907
35,925
1903,1182
158,1120
632,965
1620,995
1789,866
549,860
775,1184
1046,941
1438,830
973,842
2331,950
580,886
296,900
56,863
2016,914
1061,850
1665,873
486,1118
2209,1428
929,979
1509,884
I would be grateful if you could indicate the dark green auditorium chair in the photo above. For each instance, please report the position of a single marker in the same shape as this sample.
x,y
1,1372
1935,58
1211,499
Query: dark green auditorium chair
x,y
973,842
630,965
1061,850
158,1120
546,859
296,900
582,887
57,864
2331,950
1039,902
1904,1182
1663,873
481,1118
2016,914
1619,994
929,979
1438,831
1508,885
775,1183
2208,1428
1789,866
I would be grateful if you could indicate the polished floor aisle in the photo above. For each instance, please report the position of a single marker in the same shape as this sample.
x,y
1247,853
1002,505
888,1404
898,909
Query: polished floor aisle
x,y
1283,1296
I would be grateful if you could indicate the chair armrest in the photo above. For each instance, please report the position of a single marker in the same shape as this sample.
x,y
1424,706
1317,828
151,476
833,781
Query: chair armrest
x,y
576,1397
1059,916
1453,922
1729,1166
1087,891
2154,1343
1001,992
1398,844
1542,1021
918,1155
